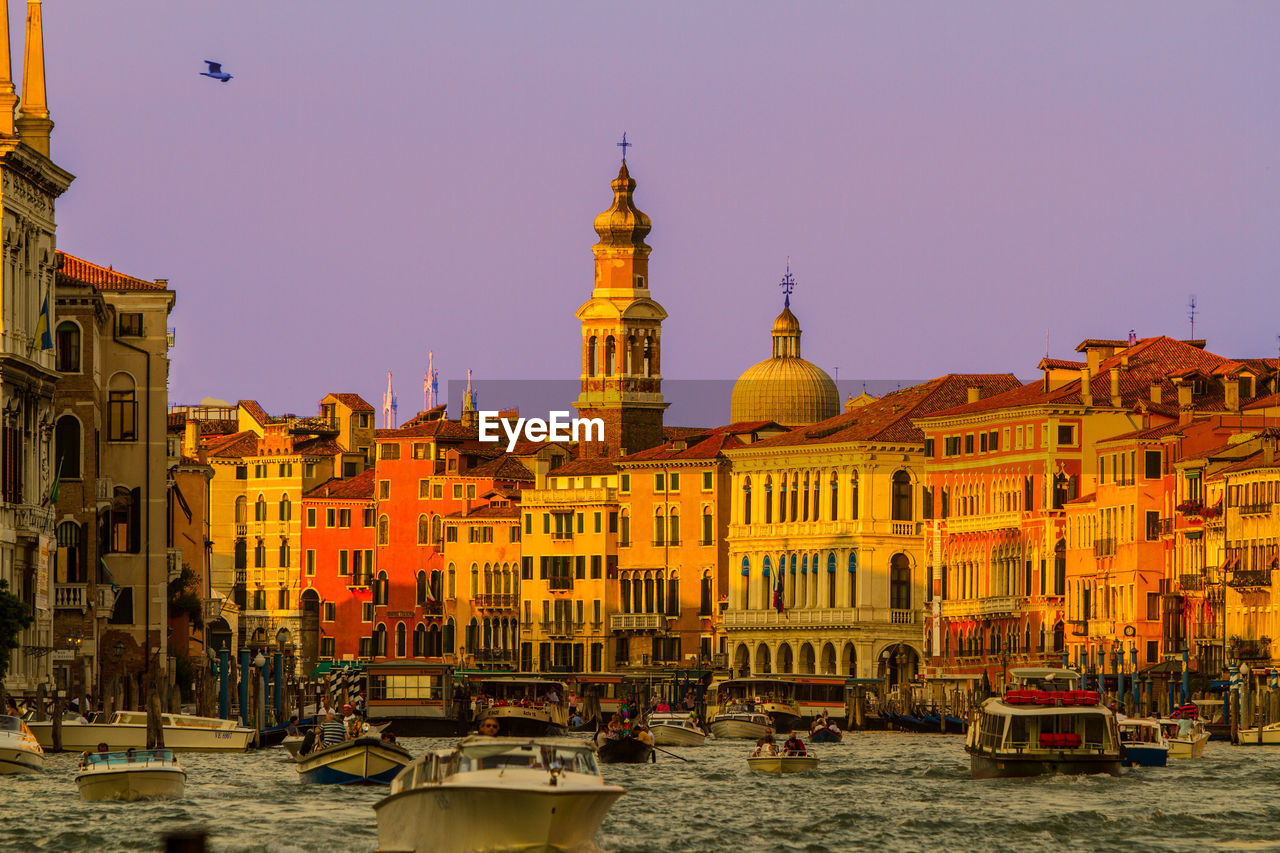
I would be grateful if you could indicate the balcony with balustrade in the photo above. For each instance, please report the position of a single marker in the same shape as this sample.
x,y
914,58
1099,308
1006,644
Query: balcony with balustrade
x,y
497,601
637,622
1246,579
80,596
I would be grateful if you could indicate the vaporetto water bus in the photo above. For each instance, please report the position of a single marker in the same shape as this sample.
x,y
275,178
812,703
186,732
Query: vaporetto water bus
x,y
523,705
773,697
1043,725
182,733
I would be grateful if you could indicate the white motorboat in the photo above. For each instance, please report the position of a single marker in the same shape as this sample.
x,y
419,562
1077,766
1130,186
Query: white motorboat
x,y
779,764
182,733
361,761
1270,735
20,752
1186,737
497,794
676,730
135,774
737,722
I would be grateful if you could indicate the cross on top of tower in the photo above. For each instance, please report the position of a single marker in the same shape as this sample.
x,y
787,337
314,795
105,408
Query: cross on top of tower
x,y
624,145
787,284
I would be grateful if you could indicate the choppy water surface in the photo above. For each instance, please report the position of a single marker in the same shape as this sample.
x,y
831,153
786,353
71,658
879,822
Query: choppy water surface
x,y
875,791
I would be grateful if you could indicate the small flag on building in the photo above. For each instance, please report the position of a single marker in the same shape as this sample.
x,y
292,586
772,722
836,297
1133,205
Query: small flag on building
x,y
43,333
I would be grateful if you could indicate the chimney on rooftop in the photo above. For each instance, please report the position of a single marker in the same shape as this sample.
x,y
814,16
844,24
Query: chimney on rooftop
x,y
1269,439
1184,402
1086,390
1155,392
1115,387
191,438
1231,387
975,393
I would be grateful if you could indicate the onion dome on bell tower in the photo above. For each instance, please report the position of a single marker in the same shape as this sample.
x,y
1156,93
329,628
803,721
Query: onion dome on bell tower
x,y
621,378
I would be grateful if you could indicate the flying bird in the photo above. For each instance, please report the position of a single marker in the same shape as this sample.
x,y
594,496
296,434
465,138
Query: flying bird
x,y
215,71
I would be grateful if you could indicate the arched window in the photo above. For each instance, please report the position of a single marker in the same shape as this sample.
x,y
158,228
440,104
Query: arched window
x,y
424,530
260,509
421,590
284,554
67,347
610,355
900,582
453,582
630,367
762,601
436,528
782,500
66,440
795,497
673,524
419,641
122,409
708,527
768,500
448,638
805,503
831,579
624,529
400,637
746,500
659,528
381,590
648,357
286,509
853,496
242,510
817,496
593,354
835,497
380,641
488,580
473,631
901,510
384,530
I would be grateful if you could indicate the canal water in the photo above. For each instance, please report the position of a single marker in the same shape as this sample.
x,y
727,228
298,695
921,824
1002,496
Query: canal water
x,y
875,791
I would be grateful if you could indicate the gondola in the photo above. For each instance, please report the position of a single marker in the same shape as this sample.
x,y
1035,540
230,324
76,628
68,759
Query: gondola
x,y
626,750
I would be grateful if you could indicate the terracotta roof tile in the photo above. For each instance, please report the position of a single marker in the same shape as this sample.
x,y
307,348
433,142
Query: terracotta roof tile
x,y
502,468
585,466
359,487
891,417
694,448
487,513
318,447
234,446
255,411
79,271
446,430
354,402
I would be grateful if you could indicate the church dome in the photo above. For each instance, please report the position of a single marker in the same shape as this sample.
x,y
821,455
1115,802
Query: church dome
x,y
784,388
623,224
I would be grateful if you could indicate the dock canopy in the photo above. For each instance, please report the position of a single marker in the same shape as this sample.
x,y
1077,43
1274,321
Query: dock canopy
x,y
322,669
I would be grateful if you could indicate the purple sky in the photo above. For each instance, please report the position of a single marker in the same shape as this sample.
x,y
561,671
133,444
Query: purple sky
x,y
949,179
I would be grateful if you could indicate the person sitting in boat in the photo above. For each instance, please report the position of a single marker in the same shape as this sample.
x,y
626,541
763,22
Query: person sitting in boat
x,y
576,719
333,732
103,748
84,758
489,727
291,727
765,748
793,746
614,731
641,733
662,708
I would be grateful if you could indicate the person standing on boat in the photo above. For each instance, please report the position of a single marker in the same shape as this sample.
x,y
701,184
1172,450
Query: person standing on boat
x,y
333,732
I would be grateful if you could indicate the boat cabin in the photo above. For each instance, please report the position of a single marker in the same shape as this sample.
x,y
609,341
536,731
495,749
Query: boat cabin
x,y
129,759
557,755
1133,731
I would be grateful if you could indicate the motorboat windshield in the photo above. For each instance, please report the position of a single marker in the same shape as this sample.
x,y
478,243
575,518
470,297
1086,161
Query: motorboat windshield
x,y
10,724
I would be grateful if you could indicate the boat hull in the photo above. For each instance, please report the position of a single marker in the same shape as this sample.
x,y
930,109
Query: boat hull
x,y
984,766
523,722
82,737
1146,756
156,783
738,729
20,760
826,736
292,745
364,761
456,818
780,764
1193,747
627,750
676,736
1249,737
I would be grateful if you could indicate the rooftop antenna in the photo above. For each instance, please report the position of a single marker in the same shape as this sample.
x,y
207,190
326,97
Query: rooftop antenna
x,y
1046,342
624,145
787,284
1191,315
389,405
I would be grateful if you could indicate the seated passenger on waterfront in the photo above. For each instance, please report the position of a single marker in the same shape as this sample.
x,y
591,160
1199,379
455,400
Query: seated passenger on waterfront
x,y
793,746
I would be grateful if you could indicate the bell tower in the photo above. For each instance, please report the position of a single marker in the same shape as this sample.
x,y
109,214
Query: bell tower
x,y
621,379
